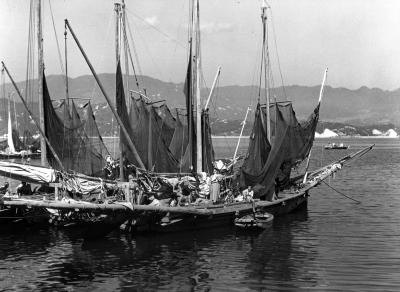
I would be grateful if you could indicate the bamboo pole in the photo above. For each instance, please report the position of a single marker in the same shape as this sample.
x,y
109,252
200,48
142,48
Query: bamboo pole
x,y
125,132
241,133
213,87
321,92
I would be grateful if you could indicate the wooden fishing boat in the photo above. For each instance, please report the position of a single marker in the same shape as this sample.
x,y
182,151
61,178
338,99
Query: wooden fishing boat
x,y
19,155
334,146
258,220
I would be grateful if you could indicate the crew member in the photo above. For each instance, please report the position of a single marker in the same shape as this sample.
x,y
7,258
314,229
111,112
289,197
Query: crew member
x,y
24,189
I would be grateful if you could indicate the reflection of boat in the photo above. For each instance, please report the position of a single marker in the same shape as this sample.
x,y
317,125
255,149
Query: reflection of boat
x,y
258,220
333,146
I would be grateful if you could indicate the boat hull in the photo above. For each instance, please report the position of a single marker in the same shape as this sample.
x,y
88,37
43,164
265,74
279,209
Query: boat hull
x,y
223,216
18,155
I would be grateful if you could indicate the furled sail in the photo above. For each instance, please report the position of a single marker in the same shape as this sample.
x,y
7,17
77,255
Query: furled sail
x,y
10,141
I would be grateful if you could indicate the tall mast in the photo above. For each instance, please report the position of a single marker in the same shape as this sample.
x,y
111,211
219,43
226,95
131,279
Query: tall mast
x,y
199,150
265,62
66,65
126,56
43,148
117,9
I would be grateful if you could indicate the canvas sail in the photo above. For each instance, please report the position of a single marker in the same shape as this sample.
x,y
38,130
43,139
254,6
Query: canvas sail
x,y
10,141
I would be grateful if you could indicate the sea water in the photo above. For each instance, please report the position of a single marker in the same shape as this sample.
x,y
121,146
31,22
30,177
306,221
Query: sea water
x,y
334,244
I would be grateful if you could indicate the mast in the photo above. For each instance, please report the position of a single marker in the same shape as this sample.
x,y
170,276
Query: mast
x,y
43,148
66,65
265,62
199,150
117,9
126,56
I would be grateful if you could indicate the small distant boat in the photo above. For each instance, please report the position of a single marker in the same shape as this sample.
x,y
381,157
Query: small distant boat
x,y
332,146
258,220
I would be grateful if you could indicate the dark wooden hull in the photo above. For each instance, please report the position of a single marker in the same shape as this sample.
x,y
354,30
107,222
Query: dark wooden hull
x,y
13,218
18,156
336,147
223,216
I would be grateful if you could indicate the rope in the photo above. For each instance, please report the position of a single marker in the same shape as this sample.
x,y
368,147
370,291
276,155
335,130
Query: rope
x,y
277,57
340,193
55,34
157,29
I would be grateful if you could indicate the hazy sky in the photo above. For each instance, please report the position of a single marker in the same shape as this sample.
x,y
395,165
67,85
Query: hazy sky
x,y
359,40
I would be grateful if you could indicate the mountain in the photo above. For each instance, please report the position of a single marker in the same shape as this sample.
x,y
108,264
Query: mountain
x,y
360,107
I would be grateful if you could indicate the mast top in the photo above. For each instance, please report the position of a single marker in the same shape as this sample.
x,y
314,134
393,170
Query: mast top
x,y
264,7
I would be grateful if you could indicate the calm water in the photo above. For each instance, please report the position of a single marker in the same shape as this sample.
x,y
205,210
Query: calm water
x,y
333,245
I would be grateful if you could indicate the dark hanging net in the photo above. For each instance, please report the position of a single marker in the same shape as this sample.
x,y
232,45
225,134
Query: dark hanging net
x,y
179,142
144,130
301,137
292,142
165,122
18,144
262,161
208,150
68,138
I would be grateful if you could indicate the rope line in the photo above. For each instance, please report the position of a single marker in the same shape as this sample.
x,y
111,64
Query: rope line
x,y
340,193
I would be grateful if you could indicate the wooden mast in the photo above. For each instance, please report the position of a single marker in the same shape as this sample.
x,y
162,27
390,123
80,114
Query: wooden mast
x,y
126,56
117,9
265,62
43,148
199,148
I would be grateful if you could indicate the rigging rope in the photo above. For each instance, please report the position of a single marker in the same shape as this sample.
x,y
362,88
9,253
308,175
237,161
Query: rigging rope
x,y
55,34
157,29
277,58
340,193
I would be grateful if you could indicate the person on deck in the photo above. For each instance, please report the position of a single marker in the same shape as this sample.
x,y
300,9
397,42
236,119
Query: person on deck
x,y
215,186
248,194
153,201
4,188
24,189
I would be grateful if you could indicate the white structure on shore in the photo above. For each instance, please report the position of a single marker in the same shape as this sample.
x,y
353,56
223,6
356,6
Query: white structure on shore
x,y
326,134
389,133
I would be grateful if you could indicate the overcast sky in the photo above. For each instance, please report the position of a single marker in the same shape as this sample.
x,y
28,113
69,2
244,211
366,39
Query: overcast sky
x,y
359,40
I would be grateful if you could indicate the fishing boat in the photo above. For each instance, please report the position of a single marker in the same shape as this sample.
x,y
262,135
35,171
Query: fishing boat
x,y
278,143
334,146
13,147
